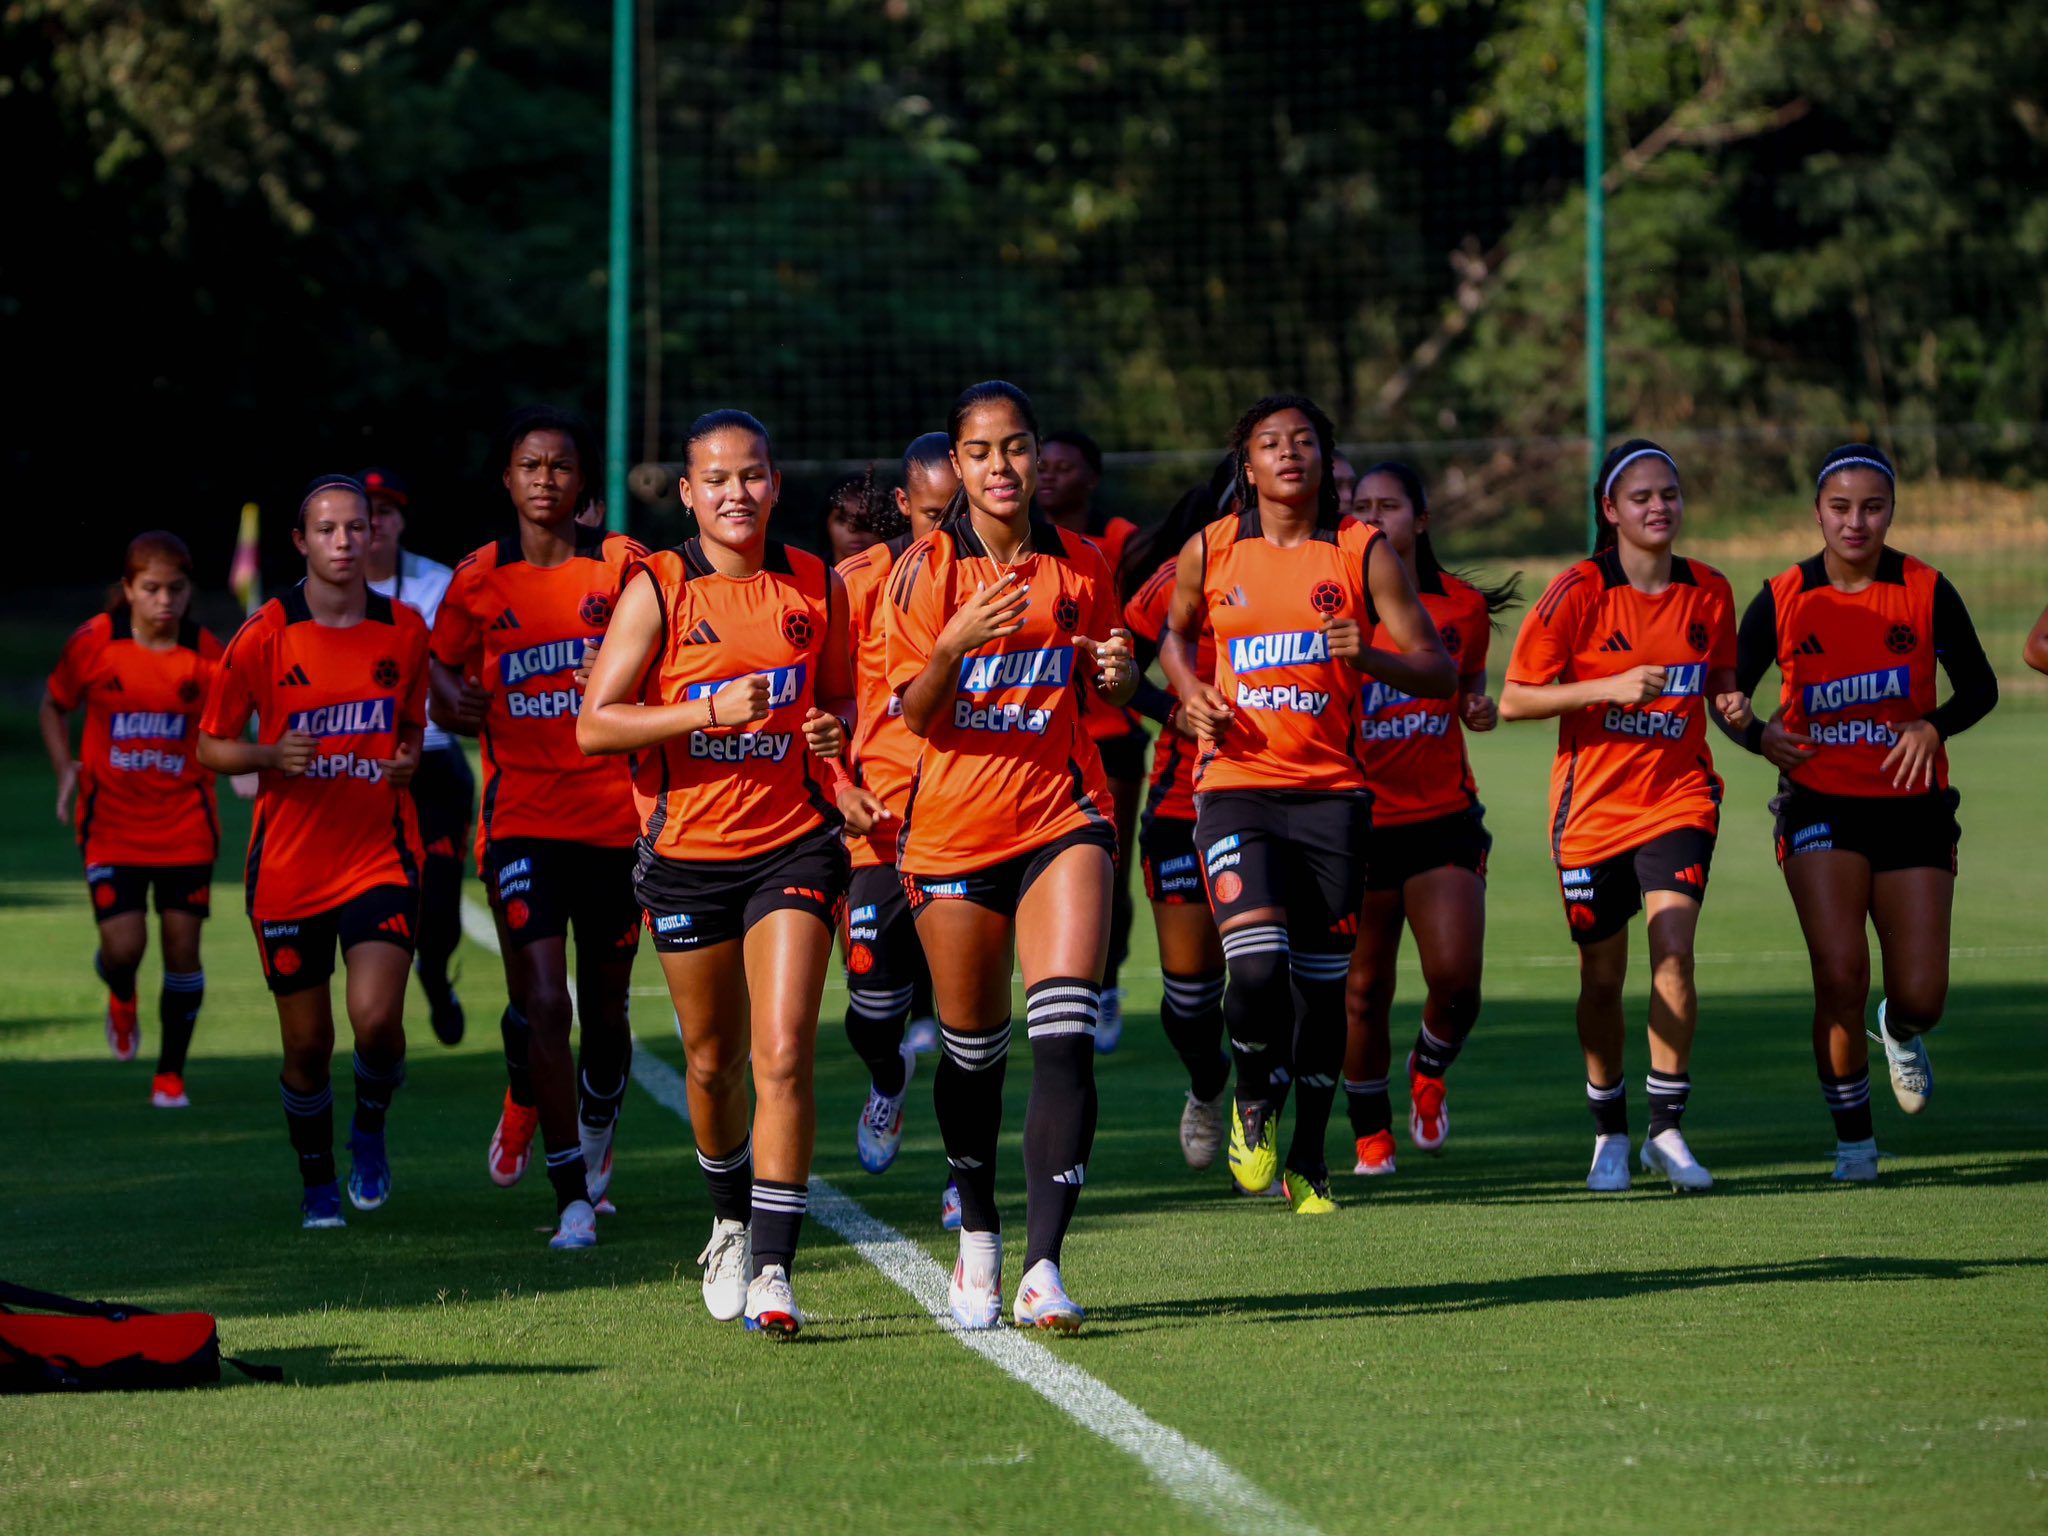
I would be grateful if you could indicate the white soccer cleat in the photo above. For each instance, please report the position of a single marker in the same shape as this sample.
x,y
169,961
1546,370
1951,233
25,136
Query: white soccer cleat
x,y
1667,1153
1203,1125
576,1227
597,1159
1609,1173
1043,1302
878,1134
771,1304
1856,1162
923,1036
728,1261
1912,1072
976,1294
1109,1022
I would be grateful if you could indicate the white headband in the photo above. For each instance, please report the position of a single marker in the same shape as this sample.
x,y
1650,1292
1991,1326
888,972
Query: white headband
x,y
1640,453
1835,465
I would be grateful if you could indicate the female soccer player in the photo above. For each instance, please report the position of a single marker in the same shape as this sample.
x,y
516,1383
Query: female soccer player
x,y
1623,651
726,667
555,840
884,963
993,622
336,678
1190,952
1866,824
145,807
1290,589
1069,475
444,790
851,506
1426,863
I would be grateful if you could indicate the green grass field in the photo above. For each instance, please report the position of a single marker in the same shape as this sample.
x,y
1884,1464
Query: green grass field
x,y
1476,1345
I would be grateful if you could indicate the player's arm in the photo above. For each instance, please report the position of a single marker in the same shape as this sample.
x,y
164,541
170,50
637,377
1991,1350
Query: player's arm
x,y
456,700
829,723
2036,652
1534,689
55,723
1202,704
1972,683
1418,664
613,720
223,746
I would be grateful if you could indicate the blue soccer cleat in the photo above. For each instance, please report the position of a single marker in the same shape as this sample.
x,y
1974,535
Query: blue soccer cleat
x,y
321,1208
369,1176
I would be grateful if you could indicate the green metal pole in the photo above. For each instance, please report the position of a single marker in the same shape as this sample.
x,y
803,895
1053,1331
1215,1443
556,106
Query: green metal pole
x,y
615,402
1596,248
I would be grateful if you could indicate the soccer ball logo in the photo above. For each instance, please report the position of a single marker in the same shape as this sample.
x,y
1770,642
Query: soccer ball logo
x,y
1452,643
517,913
1698,636
286,961
385,673
796,628
1327,598
596,610
1066,613
1900,640
860,960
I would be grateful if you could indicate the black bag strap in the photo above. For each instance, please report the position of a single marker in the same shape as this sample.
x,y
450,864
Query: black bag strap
x,y
49,1301
253,1371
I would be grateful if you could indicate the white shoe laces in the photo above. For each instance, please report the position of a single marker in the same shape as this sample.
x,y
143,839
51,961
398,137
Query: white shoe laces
x,y
722,1255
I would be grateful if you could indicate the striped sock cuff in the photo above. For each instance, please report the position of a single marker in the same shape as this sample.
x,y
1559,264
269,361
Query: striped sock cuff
x,y
184,981
1261,939
1372,1085
1429,1039
1193,993
726,1162
1324,968
394,1074
1846,1092
975,1053
1667,1085
296,1103
789,1199
882,1006
1061,1005
1601,1095
1316,1080
564,1158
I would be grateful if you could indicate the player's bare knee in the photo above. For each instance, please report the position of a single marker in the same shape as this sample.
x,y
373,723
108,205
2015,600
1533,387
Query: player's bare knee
x,y
1841,984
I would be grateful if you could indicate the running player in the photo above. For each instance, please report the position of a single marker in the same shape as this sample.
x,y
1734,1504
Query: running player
x,y
993,623
1623,651
1190,953
1293,592
336,678
1426,864
1069,475
883,959
555,841
851,508
444,790
726,667
1866,822
145,806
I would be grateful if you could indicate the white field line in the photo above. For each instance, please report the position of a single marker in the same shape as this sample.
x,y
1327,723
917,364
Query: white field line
x,y
1191,1473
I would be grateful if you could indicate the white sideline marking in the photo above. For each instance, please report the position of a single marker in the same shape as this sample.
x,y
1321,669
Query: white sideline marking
x,y
1189,1472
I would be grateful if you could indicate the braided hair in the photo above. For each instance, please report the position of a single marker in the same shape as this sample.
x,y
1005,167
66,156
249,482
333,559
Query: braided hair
x,y
869,509
1328,513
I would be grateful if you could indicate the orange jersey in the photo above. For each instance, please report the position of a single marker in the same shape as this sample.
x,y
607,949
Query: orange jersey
x,y
1625,774
1104,720
329,834
1008,766
142,796
1296,720
733,793
1415,760
519,630
884,750
1855,667
1172,794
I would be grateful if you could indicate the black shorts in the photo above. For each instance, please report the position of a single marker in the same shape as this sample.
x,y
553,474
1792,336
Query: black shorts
x,y
1173,872
1396,855
695,905
298,954
1001,887
121,888
444,793
1599,900
1123,757
882,952
540,886
1906,832
1301,852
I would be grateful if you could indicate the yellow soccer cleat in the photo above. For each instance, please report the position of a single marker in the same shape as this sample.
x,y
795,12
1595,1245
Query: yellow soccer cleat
x,y
1307,1196
1254,1147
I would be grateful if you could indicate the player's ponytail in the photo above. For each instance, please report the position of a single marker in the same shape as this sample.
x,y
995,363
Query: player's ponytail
x,y
144,550
1499,595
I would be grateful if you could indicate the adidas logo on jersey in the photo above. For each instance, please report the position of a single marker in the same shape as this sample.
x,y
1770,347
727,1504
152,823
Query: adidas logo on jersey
x,y
1616,642
506,620
1810,646
114,685
296,678
701,633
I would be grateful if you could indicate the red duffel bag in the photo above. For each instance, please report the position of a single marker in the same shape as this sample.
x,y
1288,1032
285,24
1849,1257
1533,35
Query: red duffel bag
x,y
101,1346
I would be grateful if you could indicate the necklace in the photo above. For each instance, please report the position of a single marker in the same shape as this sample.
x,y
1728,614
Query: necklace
x,y
1019,553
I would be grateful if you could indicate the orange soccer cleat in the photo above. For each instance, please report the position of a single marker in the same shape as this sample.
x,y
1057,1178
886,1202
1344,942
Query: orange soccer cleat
x,y
1429,1120
124,1030
167,1091
1375,1154
512,1142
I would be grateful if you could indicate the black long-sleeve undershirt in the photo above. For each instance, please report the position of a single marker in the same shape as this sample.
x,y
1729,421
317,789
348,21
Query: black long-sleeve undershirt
x,y
1973,685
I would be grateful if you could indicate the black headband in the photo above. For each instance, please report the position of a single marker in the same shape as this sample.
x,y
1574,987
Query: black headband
x,y
321,483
